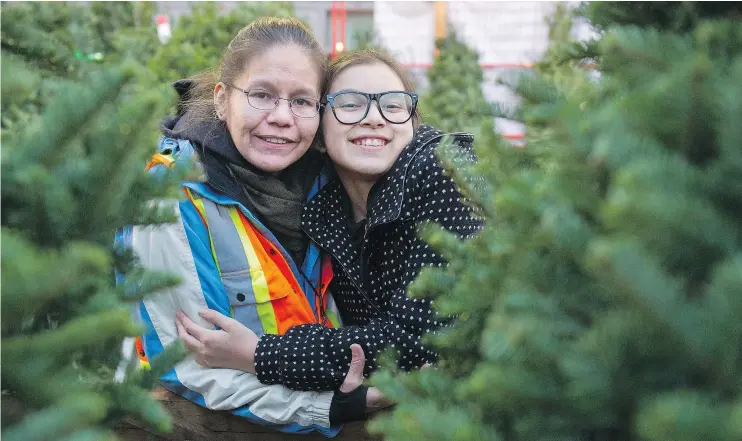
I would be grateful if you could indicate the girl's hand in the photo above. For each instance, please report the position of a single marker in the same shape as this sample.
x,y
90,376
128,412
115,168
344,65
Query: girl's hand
x,y
232,346
375,400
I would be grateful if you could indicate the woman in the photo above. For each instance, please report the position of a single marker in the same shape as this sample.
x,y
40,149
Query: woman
x,y
387,181
237,244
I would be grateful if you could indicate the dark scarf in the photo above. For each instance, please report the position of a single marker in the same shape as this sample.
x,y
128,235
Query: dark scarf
x,y
275,198
278,198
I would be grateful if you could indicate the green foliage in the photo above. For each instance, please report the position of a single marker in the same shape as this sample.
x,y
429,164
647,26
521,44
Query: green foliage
x,y
602,299
454,101
72,173
364,39
553,67
124,28
683,17
59,43
200,38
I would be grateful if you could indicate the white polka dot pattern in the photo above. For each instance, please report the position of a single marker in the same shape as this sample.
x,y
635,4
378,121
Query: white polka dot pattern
x,y
312,357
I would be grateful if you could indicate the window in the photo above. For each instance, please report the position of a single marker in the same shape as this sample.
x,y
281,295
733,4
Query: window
x,y
359,29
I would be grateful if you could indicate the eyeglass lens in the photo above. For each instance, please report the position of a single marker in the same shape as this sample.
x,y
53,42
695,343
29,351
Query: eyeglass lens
x,y
263,100
350,107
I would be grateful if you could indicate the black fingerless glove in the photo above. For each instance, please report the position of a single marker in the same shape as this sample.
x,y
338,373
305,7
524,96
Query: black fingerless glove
x,y
348,407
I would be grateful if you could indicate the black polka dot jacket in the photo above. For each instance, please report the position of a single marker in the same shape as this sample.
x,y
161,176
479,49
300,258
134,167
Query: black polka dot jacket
x,y
372,274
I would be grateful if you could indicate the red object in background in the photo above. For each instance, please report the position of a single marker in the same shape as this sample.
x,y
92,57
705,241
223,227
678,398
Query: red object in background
x,y
337,23
163,28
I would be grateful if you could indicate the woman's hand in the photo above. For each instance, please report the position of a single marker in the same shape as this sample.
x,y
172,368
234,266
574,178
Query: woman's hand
x,y
232,346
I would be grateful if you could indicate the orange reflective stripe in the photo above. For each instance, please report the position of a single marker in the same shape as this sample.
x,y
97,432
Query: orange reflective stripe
x,y
280,263
159,158
290,305
143,360
140,349
294,311
326,274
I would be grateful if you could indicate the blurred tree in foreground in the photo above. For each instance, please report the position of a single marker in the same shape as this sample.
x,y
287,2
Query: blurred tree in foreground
x,y
72,172
602,300
59,42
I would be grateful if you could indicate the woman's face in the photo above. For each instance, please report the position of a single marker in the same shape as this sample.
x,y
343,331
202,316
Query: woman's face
x,y
271,140
368,149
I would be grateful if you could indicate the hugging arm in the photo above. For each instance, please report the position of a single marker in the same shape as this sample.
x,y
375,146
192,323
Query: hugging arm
x,y
312,357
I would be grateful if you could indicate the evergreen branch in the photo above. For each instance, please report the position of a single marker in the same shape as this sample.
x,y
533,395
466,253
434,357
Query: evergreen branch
x,y
29,41
75,333
110,196
32,276
133,400
159,366
91,435
140,283
655,293
77,412
74,107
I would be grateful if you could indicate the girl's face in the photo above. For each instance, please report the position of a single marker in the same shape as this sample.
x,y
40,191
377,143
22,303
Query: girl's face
x,y
367,149
271,140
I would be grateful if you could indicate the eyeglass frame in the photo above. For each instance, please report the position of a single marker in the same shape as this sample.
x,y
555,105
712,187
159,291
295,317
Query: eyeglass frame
x,y
278,98
371,97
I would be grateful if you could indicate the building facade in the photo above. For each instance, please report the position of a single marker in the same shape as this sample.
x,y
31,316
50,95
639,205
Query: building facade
x,y
508,36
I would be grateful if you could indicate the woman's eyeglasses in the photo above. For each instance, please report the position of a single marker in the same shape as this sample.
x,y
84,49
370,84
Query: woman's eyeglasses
x,y
263,100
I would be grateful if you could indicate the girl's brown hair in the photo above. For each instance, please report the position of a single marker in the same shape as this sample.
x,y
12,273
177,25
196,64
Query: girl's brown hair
x,y
254,39
370,56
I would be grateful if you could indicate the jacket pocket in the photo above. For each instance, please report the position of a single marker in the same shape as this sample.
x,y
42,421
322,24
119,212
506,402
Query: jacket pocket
x,y
254,311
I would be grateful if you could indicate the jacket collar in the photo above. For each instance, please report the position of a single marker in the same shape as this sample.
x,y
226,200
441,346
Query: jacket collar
x,y
388,210
329,211
325,218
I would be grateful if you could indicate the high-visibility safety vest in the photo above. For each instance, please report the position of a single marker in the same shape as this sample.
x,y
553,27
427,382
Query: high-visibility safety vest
x,y
254,272
229,261
268,282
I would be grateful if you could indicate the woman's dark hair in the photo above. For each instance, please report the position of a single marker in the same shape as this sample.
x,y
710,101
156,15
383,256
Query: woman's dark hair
x,y
254,39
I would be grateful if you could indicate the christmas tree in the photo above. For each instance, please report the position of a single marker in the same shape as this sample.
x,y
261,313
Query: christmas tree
x,y
74,141
59,43
365,39
454,101
200,37
602,299
123,30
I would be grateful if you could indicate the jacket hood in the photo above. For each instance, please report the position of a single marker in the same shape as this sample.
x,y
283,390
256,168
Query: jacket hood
x,y
211,134
426,133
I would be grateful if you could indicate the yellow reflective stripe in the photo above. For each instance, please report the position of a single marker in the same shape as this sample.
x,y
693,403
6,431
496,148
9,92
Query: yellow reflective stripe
x,y
333,319
199,204
259,284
